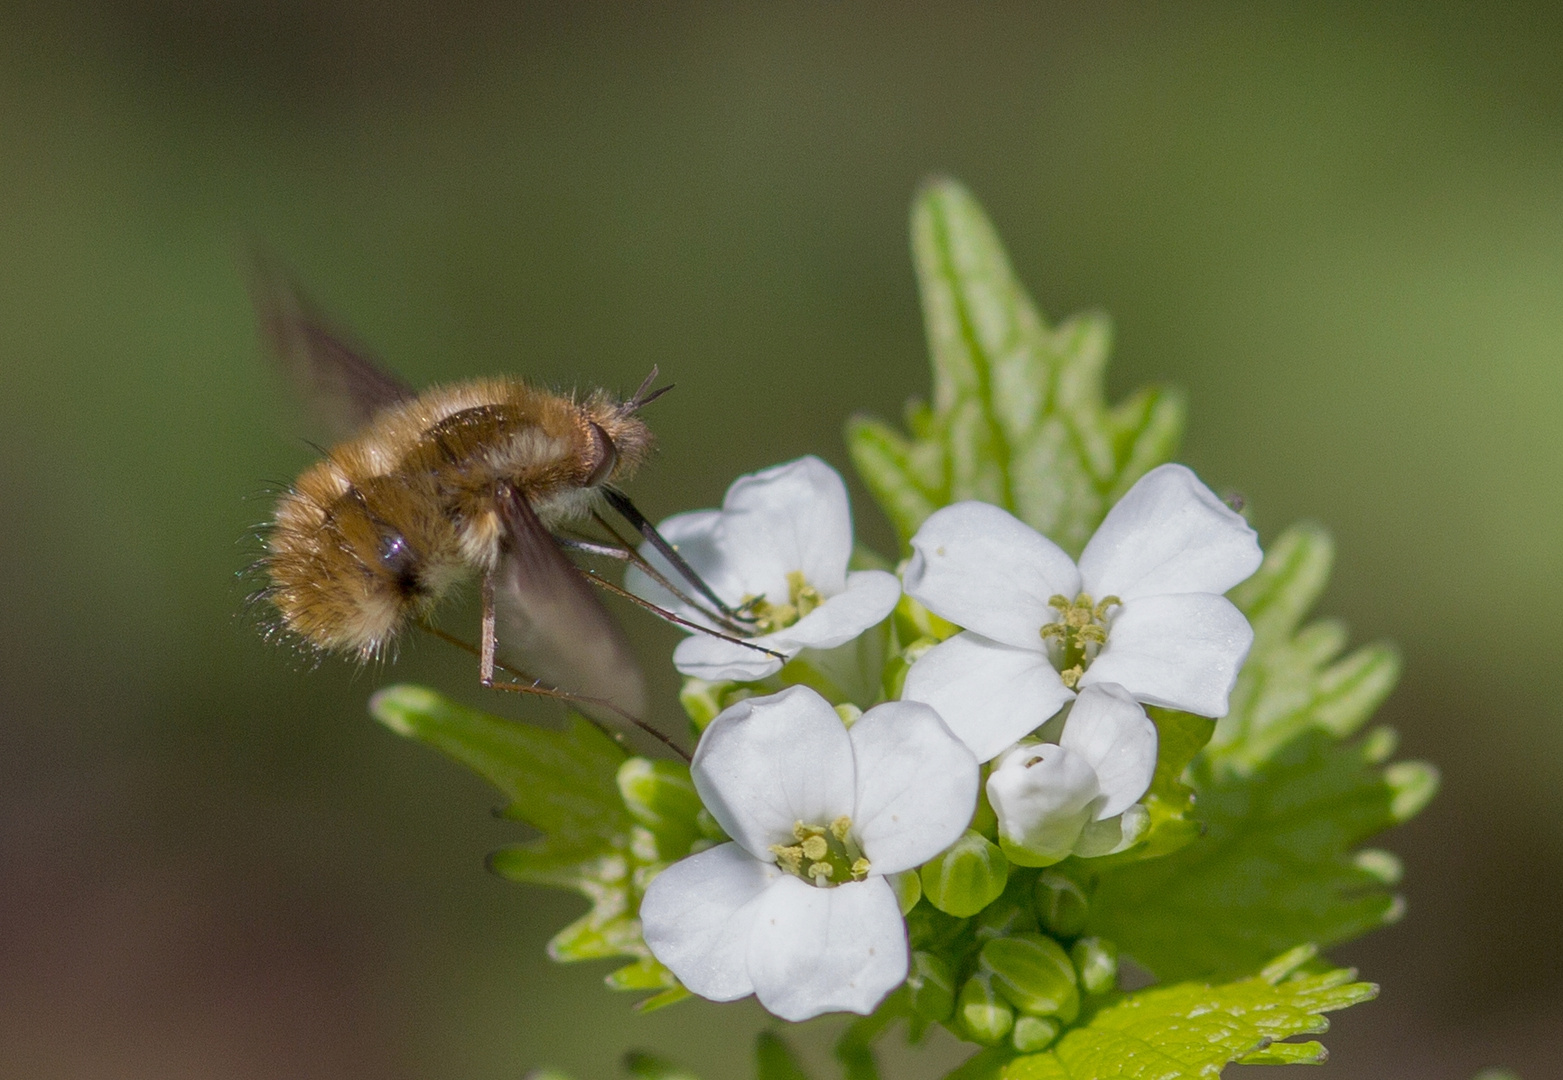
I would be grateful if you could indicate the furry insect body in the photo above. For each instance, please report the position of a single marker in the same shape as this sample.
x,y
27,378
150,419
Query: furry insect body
x,y
373,536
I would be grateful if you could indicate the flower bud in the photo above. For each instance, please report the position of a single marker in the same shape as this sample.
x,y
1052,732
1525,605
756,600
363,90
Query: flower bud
x,y
1062,905
1035,973
1096,961
908,889
661,797
932,985
1033,1033
966,877
702,700
983,1015
1004,917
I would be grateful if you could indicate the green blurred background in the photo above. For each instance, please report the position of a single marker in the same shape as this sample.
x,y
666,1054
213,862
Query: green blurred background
x,y
1340,228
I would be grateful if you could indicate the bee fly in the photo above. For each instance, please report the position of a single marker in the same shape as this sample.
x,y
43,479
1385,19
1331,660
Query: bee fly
x,y
472,478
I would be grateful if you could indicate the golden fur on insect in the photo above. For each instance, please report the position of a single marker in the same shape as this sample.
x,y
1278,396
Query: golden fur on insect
x,y
373,535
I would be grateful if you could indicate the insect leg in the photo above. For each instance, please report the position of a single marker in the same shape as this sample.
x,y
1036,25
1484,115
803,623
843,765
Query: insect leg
x,y
621,502
487,665
667,616
625,552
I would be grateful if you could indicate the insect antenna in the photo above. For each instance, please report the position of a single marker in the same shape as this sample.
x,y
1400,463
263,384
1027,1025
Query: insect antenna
x,y
641,398
536,688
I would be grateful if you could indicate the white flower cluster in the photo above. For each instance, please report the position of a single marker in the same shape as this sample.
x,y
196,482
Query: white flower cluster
x,y
1046,682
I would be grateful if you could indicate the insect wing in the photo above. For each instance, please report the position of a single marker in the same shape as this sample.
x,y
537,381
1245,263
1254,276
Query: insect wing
x,y
550,624
342,384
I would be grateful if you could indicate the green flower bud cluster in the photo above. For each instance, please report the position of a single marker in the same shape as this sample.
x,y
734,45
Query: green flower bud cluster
x,y
1016,970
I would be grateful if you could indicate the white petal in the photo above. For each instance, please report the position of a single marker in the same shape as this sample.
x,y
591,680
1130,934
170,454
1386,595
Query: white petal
x,y
1181,652
1168,534
769,762
1111,732
815,951
791,517
985,570
696,536
988,694
697,916
1044,796
916,785
719,660
869,596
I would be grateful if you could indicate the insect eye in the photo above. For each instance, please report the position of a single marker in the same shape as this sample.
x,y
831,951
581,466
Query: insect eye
x,y
608,456
396,555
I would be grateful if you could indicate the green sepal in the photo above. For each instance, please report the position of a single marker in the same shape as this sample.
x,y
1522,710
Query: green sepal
x,y
968,876
1096,963
563,782
931,984
983,1014
1033,1033
1275,865
1034,973
1061,903
660,796
1197,1029
774,1059
702,700
1168,802
1018,417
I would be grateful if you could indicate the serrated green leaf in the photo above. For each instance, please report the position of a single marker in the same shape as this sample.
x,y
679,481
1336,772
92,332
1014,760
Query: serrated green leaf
x,y
660,796
1194,1030
1018,417
1274,867
643,974
563,782
661,1001
1292,681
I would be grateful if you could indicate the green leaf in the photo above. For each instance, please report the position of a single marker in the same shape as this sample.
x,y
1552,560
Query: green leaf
x,y
774,1060
563,782
1018,417
1274,867
1194,1030
661,796
1293,681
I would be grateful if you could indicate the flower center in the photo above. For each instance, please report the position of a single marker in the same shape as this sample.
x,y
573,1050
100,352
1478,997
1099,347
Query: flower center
x,y
1081,631
802,598
824,855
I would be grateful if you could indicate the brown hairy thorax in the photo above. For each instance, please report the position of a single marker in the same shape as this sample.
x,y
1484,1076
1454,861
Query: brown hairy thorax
x,y
374,535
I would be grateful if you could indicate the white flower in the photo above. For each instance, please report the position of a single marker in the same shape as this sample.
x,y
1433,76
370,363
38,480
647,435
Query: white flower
x,y
1143,609
796,910
781,543
1078,796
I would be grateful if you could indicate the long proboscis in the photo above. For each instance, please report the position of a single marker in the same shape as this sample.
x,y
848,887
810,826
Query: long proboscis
x,y
535,687
641,524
